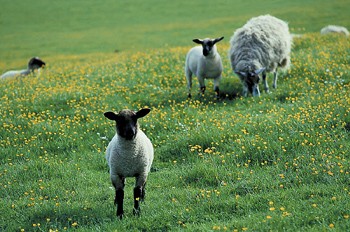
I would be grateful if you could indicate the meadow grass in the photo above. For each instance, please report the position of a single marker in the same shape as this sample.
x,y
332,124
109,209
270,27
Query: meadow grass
x,y
48,29
278,162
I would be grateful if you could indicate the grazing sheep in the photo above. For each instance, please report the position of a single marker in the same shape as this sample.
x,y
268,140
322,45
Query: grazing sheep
x,y
262,45
129,154
34,63
335,29
204,62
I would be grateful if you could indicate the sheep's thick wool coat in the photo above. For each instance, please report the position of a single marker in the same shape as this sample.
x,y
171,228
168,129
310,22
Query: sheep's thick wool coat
x,y
263,42
14,73
129,158
335,29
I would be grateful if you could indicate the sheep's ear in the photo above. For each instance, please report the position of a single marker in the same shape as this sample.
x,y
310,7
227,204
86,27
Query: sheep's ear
x,y
142,113
218,39
243,74
258,71
198,41
110,116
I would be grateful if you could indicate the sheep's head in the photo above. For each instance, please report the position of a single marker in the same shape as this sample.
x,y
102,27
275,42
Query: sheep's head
x,y
207,44
251,80
126,121
35,63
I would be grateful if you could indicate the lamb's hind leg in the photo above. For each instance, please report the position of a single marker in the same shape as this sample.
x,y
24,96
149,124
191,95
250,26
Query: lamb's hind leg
x,y
266,86
189,82
275,79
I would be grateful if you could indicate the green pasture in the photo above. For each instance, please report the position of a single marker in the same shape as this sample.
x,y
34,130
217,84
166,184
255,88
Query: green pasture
x,y
279,162
50,28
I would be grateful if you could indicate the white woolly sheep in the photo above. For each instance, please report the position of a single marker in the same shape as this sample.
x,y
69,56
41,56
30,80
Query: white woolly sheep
x,y
335,29
129,154
204,62
34,63
262,45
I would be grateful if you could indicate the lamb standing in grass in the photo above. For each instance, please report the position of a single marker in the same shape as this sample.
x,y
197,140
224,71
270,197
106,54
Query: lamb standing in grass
x,y
335,29
262,45
204,62
129,154
33,64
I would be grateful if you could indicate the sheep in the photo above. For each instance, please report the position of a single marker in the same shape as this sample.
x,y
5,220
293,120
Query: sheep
x,y
34,63
129,154
335,29
262,45
204,62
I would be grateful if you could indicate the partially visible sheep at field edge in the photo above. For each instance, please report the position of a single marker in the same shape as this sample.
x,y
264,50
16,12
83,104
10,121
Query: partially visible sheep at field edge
x,y
335,29
33,64
205,62
129,154
262,45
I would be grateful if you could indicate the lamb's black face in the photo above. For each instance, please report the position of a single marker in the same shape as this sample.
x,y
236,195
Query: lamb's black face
x,y
36,63
127,124
126,121
207,46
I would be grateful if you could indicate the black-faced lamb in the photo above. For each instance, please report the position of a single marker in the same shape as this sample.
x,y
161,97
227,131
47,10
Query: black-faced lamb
x,y
262,45
33,64
204,62
129,154
335,29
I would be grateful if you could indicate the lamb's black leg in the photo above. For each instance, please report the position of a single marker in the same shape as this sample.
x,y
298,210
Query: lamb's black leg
x,y
119,198
203,89
137,198
217,92
143,193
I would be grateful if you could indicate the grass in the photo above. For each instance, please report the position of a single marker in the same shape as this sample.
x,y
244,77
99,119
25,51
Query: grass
x,y
278,162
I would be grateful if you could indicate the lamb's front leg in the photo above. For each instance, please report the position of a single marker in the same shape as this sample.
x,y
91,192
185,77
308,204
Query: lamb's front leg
x,y
139,193
216,87
201,84
118,183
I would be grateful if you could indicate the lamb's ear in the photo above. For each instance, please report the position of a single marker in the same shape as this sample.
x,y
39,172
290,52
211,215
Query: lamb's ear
x,y
142,113
198,41
243,74
258,71
110,116
218,39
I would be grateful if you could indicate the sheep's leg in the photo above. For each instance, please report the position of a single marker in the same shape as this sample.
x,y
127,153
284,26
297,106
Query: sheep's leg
x,y
119,198
274,85
266,86
137,199
189,82
216,87
139,193
201,85
143,193
118,183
